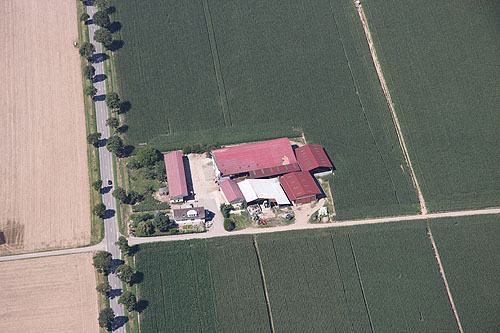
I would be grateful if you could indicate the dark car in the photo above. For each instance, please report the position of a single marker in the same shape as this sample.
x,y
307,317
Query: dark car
x,y
110,182
289,217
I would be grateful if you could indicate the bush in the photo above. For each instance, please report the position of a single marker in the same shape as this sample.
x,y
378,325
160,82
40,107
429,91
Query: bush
x,y
147,156
97,185
229,224
226,210
84,17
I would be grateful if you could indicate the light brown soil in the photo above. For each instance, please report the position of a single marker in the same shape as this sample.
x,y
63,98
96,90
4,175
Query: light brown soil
x,y
53,294
43,173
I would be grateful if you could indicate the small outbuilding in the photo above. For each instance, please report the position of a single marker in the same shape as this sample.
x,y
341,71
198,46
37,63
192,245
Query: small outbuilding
x,y
176,176
231,192
300,187
191,215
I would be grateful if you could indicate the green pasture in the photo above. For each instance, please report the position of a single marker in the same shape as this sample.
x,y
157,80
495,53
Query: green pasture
x,y
440,60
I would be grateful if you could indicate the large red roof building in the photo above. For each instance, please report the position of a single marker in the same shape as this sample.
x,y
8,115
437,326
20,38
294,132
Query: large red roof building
x,y
176,176
313,158
258,160
300,187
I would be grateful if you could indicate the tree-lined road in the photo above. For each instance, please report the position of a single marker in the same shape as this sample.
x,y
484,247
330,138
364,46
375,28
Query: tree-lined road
x,y
111,231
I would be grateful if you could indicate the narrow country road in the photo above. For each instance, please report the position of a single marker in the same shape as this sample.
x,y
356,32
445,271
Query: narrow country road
x,y
111,231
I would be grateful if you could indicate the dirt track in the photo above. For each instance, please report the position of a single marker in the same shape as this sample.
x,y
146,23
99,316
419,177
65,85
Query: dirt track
x,y
55,294
43,174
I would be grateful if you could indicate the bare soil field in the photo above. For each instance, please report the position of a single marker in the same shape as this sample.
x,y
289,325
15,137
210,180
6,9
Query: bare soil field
x,y
43,175
53,294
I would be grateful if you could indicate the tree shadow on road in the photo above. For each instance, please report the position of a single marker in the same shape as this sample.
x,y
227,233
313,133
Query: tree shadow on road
x,y
118,322
99,78
114,264
109,213
98,57
100,98
115,293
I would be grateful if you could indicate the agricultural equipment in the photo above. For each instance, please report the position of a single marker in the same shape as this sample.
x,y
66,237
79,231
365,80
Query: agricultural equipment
x,y
262,221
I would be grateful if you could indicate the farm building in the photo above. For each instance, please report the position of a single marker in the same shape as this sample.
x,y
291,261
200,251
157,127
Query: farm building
x,y
231,192
300,187
176,176
192,215
313,158
256,160
258,190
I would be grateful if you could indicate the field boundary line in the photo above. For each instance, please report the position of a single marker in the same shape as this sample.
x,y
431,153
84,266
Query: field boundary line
x,y
361,104
217,67
361,284
443,276
342,281
264,285
388,98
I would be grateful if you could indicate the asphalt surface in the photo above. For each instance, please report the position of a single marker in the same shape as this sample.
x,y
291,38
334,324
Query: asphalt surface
x,y
111,231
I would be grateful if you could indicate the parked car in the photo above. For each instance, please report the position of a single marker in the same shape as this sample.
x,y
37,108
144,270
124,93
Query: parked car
x,y
110,182
289,217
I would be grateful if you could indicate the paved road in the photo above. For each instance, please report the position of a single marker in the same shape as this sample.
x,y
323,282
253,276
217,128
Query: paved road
x,y
111,231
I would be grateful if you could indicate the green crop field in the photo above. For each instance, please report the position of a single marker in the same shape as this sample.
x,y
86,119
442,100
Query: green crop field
x,y
441,63
380,277
239,71
470,253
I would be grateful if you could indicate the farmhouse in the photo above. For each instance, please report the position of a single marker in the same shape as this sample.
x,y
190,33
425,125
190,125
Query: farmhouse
x,y
313,158
255,160
231,192
192,215
300,187
259,190
176,176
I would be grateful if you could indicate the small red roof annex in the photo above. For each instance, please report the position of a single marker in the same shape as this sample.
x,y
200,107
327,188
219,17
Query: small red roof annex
x,y
311,157
299,185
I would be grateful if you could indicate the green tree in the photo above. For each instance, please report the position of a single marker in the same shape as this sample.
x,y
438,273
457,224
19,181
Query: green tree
x,y
106,317
101,19
90,91
120,194
134,197
133,164
99,210
113,122
226,210
128,299
147,156
113,101
102,5
89,72
115,144
161,172
145,228
104,288
122,243
244,204
125,273
229,224
93,139
87,50
102,261
104,37
162,222
188,149
84,17
97,185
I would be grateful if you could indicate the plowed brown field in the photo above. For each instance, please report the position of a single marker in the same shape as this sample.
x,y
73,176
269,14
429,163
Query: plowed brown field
x,y
53,294
44,190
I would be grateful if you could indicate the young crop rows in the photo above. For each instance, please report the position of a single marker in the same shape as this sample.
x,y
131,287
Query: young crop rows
x,y
242,71
377,277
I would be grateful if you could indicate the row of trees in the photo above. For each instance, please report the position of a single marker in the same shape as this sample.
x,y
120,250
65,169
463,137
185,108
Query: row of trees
x,y
102,262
